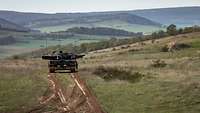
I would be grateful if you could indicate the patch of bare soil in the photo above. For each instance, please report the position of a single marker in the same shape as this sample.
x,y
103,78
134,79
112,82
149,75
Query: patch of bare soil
x,y
61,99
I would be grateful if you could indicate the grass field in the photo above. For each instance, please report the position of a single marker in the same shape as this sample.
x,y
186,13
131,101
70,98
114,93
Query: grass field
x,y
27,44
174,88
111,24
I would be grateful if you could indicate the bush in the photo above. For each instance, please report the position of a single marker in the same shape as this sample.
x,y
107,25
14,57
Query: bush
x,y
112,73
165,49
17,57
182,46
179,46
171,30
158,63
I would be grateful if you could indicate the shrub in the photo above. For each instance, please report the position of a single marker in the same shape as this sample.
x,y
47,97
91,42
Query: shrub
x,y
182,46
114,49
134,50
164,49
17,57
112,73
177,46
158,63
171,29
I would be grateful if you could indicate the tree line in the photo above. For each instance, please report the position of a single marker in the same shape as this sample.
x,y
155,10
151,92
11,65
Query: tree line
x,y
172,30
102,31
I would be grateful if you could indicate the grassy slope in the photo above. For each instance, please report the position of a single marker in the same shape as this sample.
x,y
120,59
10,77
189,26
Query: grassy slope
x,y
172,89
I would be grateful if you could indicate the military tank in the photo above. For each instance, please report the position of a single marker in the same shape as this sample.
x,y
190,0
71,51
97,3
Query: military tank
x,y
62,62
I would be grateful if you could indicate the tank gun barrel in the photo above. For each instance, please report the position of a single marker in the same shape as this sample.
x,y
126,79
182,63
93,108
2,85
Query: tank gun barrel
x,y
79,56
63,56
50,57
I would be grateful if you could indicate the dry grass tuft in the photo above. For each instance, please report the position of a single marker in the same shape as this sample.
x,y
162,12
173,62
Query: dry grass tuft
x,y
158,63
113,73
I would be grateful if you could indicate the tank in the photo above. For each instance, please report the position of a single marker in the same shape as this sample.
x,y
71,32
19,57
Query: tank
x,y
62,61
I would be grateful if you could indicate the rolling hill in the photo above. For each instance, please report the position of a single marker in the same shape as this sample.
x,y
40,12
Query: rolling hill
x,y
183,16
124,78
7,25
63,21
38,19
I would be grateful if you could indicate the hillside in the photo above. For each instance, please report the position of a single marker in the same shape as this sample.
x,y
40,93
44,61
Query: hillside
x,y
63,21
7,40
92,19
125,79
37,19
6,25
183,16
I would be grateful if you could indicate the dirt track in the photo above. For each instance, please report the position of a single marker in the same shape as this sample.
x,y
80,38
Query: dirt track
x,y
73,99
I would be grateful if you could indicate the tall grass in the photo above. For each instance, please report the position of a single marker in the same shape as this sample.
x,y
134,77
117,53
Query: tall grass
x,y
21,84
110,73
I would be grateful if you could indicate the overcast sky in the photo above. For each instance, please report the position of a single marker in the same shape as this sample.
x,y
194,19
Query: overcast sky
x,y
53,6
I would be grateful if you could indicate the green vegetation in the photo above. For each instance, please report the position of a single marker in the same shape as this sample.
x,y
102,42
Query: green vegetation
x,y
20,85
195,44
85,47
173,88
113,73
110,24
22,44
171,29
102,31
113,42
127,74
176,47
146,29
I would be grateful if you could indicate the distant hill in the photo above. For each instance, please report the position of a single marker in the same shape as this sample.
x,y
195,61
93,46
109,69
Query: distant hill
x,y
6,25
132,20
23,18
91,19
7,40
39,19
182,16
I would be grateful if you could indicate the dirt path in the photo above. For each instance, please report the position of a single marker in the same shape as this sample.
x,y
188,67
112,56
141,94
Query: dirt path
x,y
74,99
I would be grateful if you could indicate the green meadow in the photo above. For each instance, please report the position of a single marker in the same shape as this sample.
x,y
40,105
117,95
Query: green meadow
x,y
111,24
172,88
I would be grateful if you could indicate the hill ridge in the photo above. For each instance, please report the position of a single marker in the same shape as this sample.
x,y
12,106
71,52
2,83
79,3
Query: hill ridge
x,y
40,19
7,25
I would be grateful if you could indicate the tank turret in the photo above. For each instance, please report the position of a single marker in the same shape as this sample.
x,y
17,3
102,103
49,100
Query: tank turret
x,y
62,61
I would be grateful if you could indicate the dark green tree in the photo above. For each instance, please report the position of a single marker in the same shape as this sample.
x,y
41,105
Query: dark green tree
x,y
180,31
188,30
171,30
158,34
